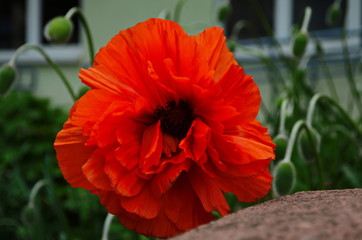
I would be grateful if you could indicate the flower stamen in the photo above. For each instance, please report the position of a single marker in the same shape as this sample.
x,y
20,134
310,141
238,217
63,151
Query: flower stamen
x,y
176,118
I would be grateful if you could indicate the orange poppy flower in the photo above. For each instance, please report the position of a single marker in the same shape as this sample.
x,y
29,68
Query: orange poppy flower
x,y
167,127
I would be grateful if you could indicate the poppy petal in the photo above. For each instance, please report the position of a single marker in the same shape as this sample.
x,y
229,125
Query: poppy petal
x,y
72,155
123,182
209,194
145,204
151,147
196,140
183,207
93,170
219,58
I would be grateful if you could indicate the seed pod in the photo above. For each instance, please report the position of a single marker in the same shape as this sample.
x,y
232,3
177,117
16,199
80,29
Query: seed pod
x,y
305,145
58,30
284,178
281,142
300,43
333,14
223,13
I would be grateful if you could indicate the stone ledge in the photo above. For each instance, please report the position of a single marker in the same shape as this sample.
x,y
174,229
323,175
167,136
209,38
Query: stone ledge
x,y
313,215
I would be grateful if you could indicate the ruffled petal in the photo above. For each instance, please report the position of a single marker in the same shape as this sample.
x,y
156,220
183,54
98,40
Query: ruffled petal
x,y
72,155
128,155
93,170
246,189
213,44
241,92
183,207
145,204
196,140
164,180
208,192
151,147
160,226
123,182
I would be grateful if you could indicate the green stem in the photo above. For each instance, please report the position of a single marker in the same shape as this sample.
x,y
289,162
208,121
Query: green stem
x,y
106,226
77,11
327,73
56,68
283,116
306,20
35,190
179,5
312,105
298,126
348,68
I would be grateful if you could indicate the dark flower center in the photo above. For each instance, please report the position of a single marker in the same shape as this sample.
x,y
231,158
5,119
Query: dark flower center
x,y
176,118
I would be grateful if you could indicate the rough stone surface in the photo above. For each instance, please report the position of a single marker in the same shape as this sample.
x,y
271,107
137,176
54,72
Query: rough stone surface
x,y
315,215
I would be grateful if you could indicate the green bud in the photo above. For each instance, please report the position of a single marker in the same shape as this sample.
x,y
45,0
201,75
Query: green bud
x,y
284,178
300,43
58,30
333,14
223,13
305,146
281,142
28,214
7,78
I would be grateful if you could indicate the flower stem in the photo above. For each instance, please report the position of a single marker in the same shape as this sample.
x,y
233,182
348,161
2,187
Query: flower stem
x,y
179,5
328,75
312,106
106,226
298,126
306,19
34,191
77,11
348,68
56,68
283,116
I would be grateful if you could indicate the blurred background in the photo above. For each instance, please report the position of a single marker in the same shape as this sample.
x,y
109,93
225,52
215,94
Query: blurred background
x,y
36,202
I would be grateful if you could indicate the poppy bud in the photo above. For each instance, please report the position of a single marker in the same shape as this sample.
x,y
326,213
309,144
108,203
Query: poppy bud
x,y
7,77
281,142
223,13
300,43
28,215
284,178
305,146
333,14
58,30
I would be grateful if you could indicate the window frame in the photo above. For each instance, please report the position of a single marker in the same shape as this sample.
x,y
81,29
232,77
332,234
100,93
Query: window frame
x,y
63,53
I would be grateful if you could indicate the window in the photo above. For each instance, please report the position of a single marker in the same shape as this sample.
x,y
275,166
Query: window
x,y
23,21
283,15
12,24
248,14
319,9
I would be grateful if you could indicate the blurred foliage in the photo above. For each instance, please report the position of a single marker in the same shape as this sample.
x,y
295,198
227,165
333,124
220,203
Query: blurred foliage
x,y
28,127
